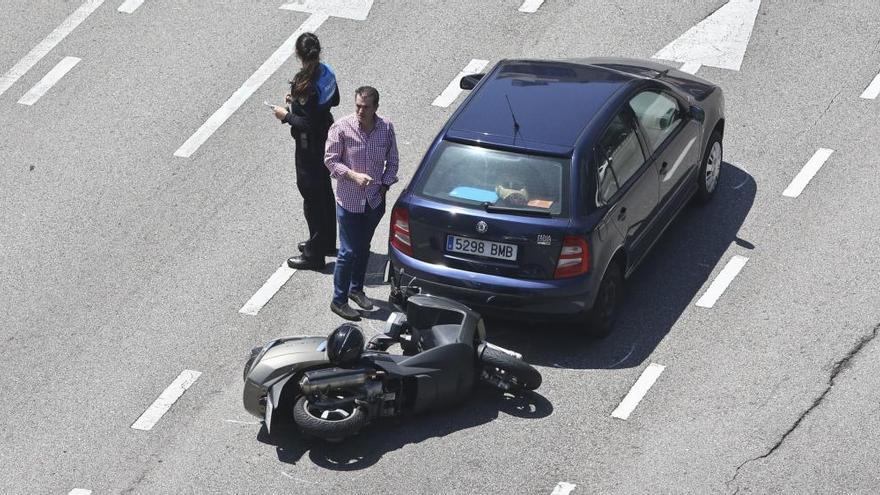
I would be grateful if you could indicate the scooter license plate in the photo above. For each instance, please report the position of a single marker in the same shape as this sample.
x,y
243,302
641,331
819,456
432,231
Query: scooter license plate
x,y
269,410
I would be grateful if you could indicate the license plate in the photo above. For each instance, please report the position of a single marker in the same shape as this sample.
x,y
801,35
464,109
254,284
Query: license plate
x,y
479,247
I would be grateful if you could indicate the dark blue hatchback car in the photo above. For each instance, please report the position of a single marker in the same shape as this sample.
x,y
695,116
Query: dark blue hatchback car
x,y
551,182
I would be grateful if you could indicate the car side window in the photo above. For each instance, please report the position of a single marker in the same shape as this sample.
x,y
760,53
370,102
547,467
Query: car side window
x,y
620,157
658,114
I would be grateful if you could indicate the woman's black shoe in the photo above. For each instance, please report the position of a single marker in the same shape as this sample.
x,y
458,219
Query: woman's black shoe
x,y
303,263
330,252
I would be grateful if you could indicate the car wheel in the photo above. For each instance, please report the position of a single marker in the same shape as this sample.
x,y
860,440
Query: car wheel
x,y
710,169
600,319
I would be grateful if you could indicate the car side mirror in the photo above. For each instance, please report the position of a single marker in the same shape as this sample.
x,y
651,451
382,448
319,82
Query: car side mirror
x,y
470,81
697,113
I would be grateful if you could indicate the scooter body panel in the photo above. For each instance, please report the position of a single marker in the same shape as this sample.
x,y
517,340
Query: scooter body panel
x,y
280,359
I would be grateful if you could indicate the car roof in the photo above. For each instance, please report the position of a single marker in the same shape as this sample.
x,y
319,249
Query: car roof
x,y
553,102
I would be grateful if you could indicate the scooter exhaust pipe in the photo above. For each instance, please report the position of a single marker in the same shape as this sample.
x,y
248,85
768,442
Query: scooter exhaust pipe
x,y
323,381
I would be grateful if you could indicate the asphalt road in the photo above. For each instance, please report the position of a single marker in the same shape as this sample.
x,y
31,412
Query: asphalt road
x,y
122,265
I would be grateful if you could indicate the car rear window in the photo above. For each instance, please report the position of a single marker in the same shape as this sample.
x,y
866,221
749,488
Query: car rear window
x,y
474,176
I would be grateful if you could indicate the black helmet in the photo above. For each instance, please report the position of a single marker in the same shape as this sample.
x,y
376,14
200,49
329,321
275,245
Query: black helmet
x,y
345,344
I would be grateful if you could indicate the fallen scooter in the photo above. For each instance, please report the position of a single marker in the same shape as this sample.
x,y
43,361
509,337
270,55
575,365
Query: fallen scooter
x,y
332,387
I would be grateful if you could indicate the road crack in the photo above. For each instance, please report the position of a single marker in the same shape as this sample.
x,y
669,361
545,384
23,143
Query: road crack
x,y
838,367
827,107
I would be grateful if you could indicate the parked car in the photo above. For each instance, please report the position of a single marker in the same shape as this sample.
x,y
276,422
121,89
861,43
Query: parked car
x,y
551,182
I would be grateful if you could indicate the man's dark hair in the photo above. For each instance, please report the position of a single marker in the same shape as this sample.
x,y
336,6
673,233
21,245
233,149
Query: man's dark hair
x,y
368,92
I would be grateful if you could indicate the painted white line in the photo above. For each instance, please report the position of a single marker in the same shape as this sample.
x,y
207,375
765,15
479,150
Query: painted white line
x,y
49,80
129,6
531,6
276,60
691,67
563,488
724,278
873,89
638,391
79,491
349,9
806,174
55,37
719,40
275,282
167,399
235,421
453,90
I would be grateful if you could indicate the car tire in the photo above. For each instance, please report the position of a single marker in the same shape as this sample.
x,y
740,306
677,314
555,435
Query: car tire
x,y
601,317
710,169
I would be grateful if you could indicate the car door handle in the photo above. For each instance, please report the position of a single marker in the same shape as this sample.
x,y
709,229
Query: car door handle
x,y
621,215
664,167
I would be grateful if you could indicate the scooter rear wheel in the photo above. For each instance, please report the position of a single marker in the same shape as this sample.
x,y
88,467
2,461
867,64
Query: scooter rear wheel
x,y
517,372
327,424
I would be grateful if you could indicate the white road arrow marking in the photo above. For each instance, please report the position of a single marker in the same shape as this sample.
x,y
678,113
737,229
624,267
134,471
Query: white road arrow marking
x,y
563,488
719,40
321,11
349,9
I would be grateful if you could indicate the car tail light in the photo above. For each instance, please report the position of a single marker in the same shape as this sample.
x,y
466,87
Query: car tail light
x,y
400,238
574,259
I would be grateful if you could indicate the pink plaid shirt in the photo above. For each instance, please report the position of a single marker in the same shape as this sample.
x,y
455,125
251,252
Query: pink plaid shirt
x,y
374,154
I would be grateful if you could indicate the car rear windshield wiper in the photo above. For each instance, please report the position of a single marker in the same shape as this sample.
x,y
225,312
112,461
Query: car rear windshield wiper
x,y
509,209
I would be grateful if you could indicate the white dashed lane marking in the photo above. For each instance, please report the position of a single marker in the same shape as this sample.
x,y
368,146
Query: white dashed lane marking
x,y
129,6
45,46
79,491
453,90
563,488
167,399
873,89
806,174
275,282
638,391
719,285
49,80
531,6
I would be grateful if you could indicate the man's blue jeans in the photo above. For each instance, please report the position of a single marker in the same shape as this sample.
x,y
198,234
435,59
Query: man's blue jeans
x,y
355,233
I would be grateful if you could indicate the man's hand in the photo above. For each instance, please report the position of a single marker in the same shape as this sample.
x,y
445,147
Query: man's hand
x,y
360,179
280,112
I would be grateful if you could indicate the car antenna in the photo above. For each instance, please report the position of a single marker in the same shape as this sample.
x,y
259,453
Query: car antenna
x,y
515,123
661,73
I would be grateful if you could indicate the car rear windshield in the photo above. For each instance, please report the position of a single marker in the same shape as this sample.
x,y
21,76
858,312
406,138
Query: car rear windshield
x,y
496,180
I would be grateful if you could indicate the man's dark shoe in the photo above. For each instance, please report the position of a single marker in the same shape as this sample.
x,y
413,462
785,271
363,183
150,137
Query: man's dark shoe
x,y
330,252
361,300
345,311
303,263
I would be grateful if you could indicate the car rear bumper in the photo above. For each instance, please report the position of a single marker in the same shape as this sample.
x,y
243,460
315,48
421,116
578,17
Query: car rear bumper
x,y
490,294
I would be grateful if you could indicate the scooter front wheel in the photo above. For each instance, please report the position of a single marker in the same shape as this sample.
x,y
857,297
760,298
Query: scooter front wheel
x,y
325,423
509,369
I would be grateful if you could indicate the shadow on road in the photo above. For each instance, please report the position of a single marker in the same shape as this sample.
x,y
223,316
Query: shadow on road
x,y
659,291
383,436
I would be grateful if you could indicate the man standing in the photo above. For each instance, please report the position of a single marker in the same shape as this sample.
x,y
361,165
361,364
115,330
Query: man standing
x,y
362,156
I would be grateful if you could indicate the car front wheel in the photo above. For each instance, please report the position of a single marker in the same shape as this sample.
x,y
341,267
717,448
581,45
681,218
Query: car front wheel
x,y
710,169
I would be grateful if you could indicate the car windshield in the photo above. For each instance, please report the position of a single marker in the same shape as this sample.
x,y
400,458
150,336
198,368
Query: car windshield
x,y
496,180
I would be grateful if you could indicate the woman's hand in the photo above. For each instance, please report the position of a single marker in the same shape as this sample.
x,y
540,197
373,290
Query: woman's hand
x,y
280,112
